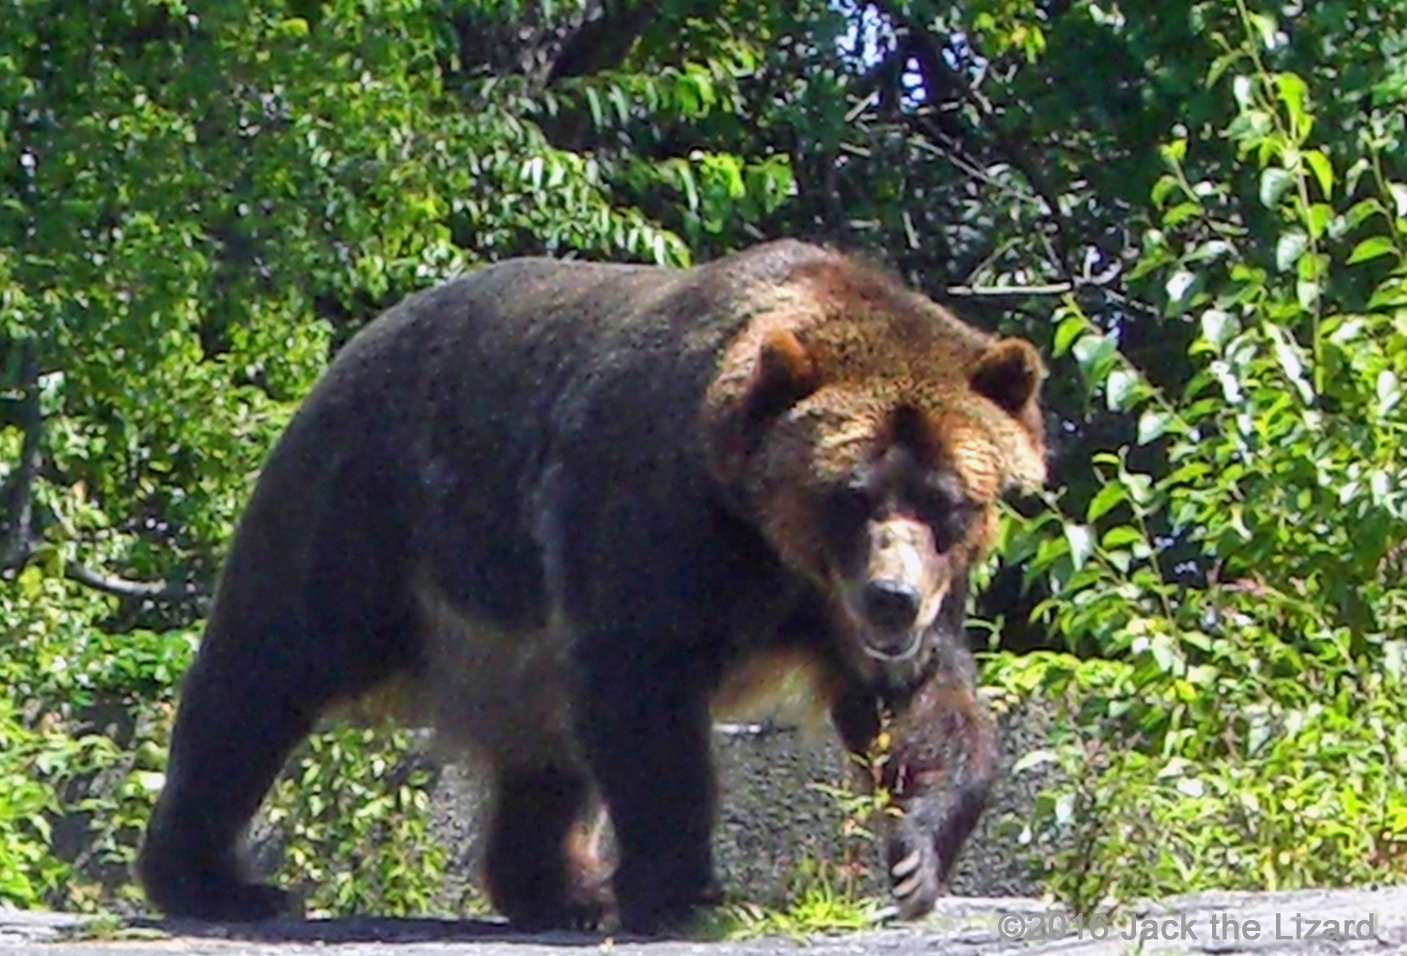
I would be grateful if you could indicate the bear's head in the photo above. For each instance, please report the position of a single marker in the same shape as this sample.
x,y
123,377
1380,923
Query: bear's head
x,y
870,434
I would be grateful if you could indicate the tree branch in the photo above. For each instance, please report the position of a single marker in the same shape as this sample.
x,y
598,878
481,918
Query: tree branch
x,y
880,83
603,41
16,543
979,291
126,588
943,84
18,493
1054,288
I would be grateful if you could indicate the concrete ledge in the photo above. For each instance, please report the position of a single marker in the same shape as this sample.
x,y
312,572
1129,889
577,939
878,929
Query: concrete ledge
x,y
959,927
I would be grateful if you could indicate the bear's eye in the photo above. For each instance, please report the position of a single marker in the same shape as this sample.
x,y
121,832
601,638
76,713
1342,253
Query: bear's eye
x,y
947,513
846,508
854,499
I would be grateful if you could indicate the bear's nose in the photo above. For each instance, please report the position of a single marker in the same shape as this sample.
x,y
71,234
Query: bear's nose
x,y
891,605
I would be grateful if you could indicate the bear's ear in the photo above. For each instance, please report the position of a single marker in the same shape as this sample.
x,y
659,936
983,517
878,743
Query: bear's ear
x,y
760,379
785,374
1009,374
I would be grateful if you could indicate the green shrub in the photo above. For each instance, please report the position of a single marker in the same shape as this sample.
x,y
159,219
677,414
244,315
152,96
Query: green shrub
x,y
84,724
1253,731
354,814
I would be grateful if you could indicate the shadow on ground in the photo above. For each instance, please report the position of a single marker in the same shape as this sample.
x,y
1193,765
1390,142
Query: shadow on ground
x,y
361,929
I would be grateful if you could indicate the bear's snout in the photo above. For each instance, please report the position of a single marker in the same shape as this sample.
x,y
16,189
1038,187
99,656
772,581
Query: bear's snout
x,y
891,605
895,594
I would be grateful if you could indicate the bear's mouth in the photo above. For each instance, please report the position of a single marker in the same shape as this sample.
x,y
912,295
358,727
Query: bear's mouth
x,y
884,652
885,644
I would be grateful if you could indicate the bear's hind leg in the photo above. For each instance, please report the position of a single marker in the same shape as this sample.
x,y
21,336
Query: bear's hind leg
x,y
542,873
251,695
242,710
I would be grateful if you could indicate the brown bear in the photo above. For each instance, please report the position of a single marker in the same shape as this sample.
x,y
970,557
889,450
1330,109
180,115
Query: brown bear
x,y
565,513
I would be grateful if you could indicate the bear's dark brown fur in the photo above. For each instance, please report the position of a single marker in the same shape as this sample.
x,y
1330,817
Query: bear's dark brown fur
x,y
563,512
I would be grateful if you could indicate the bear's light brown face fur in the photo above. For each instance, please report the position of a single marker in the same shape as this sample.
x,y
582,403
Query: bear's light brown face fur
x,y
871,435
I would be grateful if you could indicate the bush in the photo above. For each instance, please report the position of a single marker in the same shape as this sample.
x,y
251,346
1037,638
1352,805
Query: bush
x,y
1253,731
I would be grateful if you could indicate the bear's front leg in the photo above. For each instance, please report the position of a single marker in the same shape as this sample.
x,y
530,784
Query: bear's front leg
x,y
938,765
943,758
643,723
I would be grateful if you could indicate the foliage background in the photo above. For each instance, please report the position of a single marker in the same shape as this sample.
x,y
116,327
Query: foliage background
x,y
1196,206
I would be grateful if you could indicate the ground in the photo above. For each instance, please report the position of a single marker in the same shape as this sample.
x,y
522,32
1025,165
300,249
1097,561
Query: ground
x,y
1290,924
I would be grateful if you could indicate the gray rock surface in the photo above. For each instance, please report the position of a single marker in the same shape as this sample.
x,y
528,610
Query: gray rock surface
x,y
777,823
1285,924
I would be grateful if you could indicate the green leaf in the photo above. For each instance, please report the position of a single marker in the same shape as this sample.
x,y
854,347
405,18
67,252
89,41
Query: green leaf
x,y
1094,353
1218,327
1292,92
685,175
1210,251
1323,171
1181,213
1319,217
1388,390
1163,188
1081,542
1180,286
1120,388
1266,27
1288,249
1289,356
1273,183
1362,210
1223,63
1164,652
620,102
1067,332
593,102
1399,198
1152,425
1110,495
1371,248
1174,151
1391,294
1243,89
1121,536
1308,293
